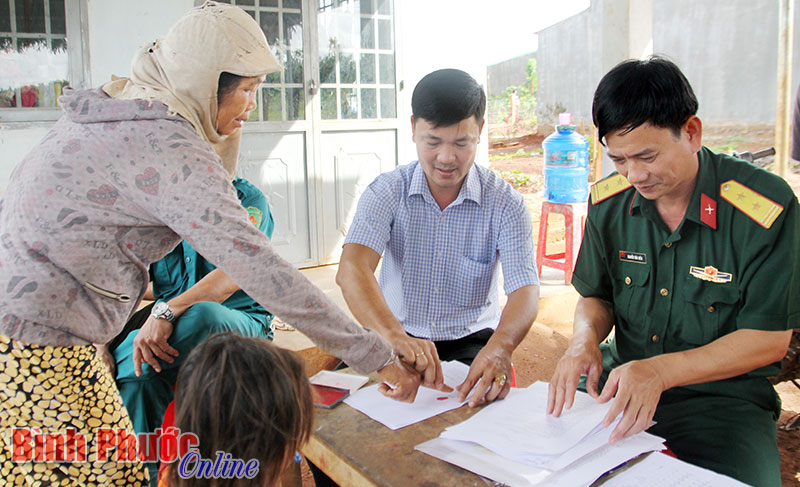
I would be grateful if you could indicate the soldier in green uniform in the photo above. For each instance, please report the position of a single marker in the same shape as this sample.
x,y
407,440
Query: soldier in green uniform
x,y
691,258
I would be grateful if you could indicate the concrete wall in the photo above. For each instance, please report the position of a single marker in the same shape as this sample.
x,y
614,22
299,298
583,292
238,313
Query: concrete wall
x,y
726,48
513,72
566,67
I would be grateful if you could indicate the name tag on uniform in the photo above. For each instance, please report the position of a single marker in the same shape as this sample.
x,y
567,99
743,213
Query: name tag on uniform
x,y
636,257
710,273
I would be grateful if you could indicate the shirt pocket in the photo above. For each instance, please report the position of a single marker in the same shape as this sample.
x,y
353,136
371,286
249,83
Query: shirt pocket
x,y
630,290
708,307
469,282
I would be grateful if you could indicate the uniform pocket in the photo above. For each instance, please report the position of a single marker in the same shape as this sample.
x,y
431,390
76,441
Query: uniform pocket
x,y
469,282
629,288
708,308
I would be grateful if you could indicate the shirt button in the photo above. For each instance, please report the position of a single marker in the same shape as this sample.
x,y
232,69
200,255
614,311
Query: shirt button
x,y
438,254
627,280
664,291
711,309
654,338
668,244
188,259
435,290
433,324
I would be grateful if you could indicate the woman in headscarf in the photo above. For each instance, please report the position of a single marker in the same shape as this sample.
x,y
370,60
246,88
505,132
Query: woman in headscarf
x,y
128,172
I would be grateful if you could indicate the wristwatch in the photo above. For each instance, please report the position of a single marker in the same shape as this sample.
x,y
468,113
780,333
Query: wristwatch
x,y
162,311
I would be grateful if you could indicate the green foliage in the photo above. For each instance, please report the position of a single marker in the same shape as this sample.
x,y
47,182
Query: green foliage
x,y
499,106
727,146
516,177
508,156
533,76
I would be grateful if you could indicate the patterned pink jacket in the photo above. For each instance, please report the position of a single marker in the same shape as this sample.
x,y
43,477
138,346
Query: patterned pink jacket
x,y
114,186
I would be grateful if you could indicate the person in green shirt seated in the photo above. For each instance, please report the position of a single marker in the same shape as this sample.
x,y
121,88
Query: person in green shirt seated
x,y
692,259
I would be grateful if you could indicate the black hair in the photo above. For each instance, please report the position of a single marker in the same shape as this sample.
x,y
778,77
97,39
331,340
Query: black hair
x,y
448,96
636,92
246,397
227,83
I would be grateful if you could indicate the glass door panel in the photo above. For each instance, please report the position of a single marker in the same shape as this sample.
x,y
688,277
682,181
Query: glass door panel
x,y
356,59
282,97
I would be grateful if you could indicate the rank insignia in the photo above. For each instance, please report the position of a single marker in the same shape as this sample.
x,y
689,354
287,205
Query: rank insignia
x,y
255,216
608,187
710,273
708,211
760,208
636,257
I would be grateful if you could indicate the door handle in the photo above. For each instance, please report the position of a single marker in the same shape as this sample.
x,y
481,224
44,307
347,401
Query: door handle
x,y
312,87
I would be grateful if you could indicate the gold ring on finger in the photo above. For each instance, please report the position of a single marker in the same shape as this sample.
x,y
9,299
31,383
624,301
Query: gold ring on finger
x,y
500,380
419,354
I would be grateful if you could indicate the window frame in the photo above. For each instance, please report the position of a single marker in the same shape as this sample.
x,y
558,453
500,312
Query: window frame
x,y
79,76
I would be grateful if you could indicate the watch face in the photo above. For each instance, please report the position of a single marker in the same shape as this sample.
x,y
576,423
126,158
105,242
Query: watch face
x,y
160,308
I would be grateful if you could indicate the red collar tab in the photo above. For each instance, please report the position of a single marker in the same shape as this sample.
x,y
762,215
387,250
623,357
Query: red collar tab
x,y
708,211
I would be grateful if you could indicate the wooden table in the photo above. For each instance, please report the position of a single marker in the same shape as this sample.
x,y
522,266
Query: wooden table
x,y
357,451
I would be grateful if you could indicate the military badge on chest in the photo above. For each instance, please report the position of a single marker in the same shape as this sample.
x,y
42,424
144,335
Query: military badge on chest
x,y
635,257
710,273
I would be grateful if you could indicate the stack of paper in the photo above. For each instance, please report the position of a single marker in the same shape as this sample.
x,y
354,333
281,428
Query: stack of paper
x,y
428,403
665,471
351,382
515,442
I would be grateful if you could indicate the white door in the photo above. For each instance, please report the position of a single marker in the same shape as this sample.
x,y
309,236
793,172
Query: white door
x,y
327,125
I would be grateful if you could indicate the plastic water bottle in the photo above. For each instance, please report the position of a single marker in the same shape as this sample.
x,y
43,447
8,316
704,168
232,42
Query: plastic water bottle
x,y
566,164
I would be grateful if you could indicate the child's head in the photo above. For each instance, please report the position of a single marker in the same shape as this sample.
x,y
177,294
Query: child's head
x,y
245,397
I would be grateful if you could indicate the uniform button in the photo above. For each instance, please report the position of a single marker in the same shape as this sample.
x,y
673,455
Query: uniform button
x,y
654,338
711,309
668,244
664,291
627,280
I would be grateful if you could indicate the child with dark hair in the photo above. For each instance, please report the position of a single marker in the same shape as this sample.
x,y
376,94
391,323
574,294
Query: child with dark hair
x,y
245,399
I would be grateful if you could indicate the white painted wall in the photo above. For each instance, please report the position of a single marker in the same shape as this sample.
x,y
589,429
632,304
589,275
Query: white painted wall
x,y
434,35
118,27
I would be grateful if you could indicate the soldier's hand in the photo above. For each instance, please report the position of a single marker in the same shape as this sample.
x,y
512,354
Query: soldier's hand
x,y
400,381
150,344
580,358
638,386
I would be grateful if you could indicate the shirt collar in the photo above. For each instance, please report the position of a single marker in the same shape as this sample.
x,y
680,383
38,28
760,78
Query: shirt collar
x,y
705,192
470,189
706,186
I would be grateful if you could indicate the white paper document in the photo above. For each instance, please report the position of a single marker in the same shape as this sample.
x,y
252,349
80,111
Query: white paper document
x,y
351,382
522,424
584,471
513,441
428,403
658,470
479,460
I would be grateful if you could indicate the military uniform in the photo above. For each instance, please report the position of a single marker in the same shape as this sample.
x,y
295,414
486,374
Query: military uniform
x,y
731,264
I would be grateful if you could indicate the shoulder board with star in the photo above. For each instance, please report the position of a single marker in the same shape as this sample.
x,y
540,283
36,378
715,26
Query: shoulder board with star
x,y
758,207
602,190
